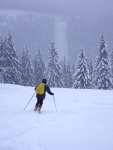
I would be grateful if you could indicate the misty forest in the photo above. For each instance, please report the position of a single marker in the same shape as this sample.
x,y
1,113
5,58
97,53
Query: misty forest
x,y
70,51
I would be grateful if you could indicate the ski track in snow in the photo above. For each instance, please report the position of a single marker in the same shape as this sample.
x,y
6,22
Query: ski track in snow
x,y
83,121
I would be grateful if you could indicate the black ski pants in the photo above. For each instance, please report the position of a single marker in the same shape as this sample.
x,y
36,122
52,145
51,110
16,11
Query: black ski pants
x,y
39,102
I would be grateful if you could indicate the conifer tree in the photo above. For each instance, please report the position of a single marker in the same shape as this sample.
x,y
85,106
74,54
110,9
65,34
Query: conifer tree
x,y
12,72
103,74
112,62
73,68
64,71
69,76
39,67
81,76
1,61
27,69
91,70
53,69
67,73
23,68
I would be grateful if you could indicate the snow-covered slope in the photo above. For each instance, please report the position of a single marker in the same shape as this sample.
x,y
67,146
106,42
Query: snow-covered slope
x,y
83,121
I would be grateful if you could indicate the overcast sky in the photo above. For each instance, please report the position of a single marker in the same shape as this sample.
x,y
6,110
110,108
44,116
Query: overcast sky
x,y
61,7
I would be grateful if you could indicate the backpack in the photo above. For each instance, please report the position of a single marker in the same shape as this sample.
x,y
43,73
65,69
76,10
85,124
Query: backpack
x,y
40,88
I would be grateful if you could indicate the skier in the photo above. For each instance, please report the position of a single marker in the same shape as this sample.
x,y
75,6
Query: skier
x,y
41,94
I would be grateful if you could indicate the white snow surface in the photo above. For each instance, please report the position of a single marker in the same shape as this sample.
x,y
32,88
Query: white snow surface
x,y
83,120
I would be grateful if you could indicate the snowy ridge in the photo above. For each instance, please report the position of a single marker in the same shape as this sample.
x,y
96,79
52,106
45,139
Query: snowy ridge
x,y
84,120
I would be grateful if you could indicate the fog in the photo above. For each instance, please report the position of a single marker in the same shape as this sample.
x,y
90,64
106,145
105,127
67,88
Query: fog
x,y
71,24
61,7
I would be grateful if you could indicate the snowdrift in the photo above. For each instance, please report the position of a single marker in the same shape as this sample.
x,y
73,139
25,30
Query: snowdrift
x,y
83,121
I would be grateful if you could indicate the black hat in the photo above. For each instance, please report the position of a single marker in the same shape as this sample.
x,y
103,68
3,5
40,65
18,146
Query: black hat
x,y
44,81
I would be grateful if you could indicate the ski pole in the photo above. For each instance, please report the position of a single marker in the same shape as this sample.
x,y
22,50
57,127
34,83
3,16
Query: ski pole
x,y
29,101
55,103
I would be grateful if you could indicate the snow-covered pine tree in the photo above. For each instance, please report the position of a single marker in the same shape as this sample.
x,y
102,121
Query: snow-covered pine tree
x,y
27,69
39,67
64,71
73,68
12,73
91,70
67,73
53,69
1,61
112,62
81,76
69,76
23,68
102,70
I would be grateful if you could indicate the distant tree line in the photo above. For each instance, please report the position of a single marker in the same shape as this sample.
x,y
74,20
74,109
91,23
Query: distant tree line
x,y
82,74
